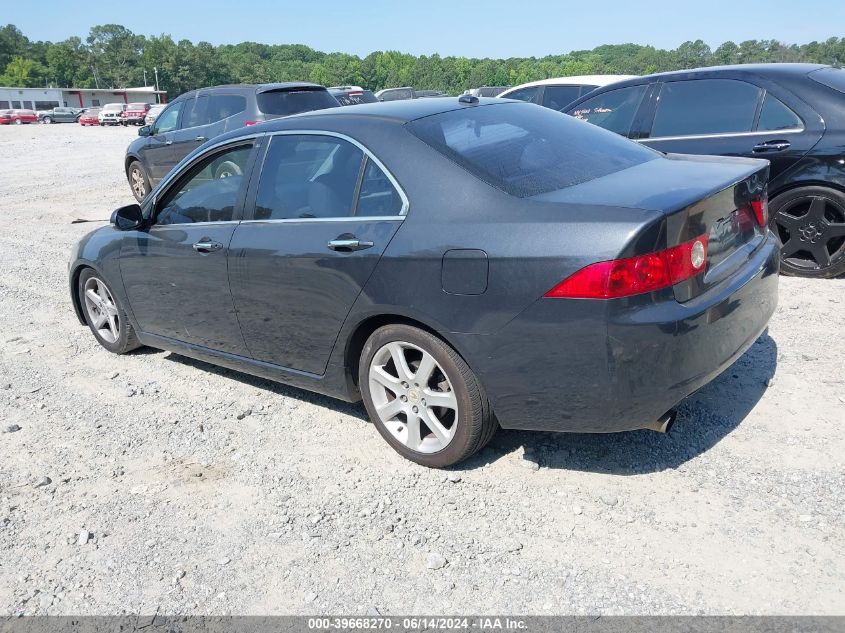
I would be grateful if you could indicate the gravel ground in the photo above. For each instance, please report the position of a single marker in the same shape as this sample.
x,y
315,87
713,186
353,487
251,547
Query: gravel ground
x,y
153,482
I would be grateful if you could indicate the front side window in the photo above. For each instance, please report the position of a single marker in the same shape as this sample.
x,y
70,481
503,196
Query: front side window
x,y
558,97
168,119
613,110
705,106
308,176
208,192
775,115
526,151
523,94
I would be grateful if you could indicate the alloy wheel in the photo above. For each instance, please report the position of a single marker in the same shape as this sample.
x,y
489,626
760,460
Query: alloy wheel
x,y
102,310
139,183
812,231
413,397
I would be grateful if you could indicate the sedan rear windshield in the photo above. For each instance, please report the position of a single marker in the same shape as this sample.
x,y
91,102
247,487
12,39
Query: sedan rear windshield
x,y
526,150
830,77
285,102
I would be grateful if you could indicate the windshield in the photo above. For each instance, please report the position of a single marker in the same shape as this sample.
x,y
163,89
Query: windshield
x,y
112,107
137,106
525,150
285,102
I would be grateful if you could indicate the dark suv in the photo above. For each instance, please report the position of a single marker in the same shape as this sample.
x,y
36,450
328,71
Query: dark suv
x,y
790,114
194,117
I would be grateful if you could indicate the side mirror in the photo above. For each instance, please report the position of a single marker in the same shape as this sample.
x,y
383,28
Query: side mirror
x,y
128,218
146,130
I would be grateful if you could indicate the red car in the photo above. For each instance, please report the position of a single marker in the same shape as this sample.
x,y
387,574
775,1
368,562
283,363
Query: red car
x,y
8,117
135,113
89,117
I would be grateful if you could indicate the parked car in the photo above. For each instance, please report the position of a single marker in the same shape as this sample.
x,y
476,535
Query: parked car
x,y
790,114
17,117
352,95
194,117
396,94
134,114
486,91
429,94
558,92
112,114
59,115
580,282
153,112
90,116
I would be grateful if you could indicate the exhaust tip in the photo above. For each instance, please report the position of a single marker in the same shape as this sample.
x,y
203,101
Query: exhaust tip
x,y
664,423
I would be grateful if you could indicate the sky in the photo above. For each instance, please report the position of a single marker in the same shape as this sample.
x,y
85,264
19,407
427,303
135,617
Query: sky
x,y
470,28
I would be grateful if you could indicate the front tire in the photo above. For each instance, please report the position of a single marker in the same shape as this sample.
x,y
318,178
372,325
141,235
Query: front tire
x,y
810,222
423,398
138,180
47,120
104,314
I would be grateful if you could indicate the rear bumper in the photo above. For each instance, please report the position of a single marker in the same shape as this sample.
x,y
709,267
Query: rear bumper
x,y
606,366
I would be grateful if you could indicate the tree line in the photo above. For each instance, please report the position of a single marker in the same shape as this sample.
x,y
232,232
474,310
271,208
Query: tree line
x,y
112,56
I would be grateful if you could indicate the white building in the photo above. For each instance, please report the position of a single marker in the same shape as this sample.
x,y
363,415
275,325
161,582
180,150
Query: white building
x,y
46,98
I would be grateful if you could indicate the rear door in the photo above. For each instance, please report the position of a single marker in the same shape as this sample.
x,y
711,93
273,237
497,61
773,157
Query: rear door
x,y
733,117
317,222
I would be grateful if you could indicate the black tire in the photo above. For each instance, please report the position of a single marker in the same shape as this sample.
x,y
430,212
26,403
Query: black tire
x,y
18,121
810,222
47,120
475,422
126,340
227,169
136,168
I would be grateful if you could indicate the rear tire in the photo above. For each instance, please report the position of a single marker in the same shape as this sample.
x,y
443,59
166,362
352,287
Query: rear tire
x,y
399,400
104,314
810,222
139,182
47,120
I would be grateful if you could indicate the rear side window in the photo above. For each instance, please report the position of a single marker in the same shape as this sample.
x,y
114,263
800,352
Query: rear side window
x,y
378,196
613,110
526,151
830,77
308,176
223,106
523,94
558,97
285,102
705,106
776,116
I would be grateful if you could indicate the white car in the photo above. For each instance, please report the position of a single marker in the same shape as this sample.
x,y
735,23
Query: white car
x,y
559,92
111,114
153,112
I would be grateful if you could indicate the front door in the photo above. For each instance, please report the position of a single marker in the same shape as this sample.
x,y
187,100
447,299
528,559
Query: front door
x,y
322,214
159,154
175,273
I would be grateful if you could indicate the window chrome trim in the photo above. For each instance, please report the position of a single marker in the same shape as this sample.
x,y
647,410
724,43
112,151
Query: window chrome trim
x,y
405,202
791,130
183,225
348,218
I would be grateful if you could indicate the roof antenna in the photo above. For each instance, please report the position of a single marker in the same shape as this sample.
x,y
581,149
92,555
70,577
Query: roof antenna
x,y
468,99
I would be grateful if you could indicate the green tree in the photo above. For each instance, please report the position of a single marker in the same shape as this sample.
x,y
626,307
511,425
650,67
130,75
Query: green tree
x,y
18,72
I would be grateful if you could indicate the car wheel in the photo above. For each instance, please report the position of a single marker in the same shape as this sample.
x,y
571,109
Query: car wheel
x,y
423,398
18,121
47,120
104,314
227,169
810,222
138,180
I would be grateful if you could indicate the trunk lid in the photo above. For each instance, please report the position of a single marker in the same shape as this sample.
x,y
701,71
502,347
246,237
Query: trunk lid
x,y
697,196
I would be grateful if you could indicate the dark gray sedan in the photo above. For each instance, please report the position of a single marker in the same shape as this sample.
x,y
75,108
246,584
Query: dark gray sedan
x,y
459,264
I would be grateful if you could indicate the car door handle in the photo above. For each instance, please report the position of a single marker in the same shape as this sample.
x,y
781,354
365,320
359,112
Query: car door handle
x,y
771,146
349,245
169,142
201,139
207,246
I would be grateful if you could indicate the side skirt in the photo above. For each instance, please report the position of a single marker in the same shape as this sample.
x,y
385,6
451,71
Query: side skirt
x,y
334,383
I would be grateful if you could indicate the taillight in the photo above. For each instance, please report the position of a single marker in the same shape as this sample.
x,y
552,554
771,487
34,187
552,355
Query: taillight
x,y
251,122
761,209
635,275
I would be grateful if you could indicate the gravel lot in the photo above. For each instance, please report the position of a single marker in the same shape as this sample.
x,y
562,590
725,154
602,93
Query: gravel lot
x,y
154,482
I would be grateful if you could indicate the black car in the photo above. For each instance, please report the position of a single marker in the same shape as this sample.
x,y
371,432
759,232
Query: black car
x,y
352,95
458,264
197,116
791,114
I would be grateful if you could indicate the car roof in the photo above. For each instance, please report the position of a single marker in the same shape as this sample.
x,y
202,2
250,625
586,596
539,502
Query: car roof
x,y
772,69
577,80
